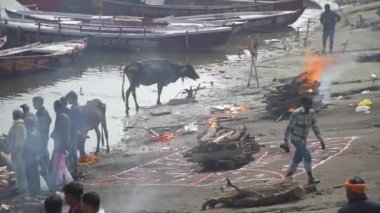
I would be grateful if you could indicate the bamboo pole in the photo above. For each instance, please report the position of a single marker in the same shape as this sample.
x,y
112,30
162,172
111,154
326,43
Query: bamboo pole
x,y
307,32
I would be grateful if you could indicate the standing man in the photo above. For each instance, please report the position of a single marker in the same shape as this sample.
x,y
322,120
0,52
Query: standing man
x,y
298,129
328,19
27,113
76,137
43,126
65,109
61,136
357,198
32,147
16,142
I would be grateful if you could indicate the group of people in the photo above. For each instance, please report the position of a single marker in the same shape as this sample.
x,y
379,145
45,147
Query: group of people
x,y
27,144
76,199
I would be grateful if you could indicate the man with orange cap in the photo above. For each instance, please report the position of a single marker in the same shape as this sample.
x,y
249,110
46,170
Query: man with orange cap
x,y
357,199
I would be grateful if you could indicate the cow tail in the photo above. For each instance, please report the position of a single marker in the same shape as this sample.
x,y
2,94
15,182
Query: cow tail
x,y
122,87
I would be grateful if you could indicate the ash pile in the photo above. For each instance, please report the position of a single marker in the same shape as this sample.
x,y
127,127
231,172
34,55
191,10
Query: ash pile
x,y
222,148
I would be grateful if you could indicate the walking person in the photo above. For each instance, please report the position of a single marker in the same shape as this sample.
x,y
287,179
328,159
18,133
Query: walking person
x,y
301,120
43,127
31,149
16,142
357,198
76,137
61,136
328,19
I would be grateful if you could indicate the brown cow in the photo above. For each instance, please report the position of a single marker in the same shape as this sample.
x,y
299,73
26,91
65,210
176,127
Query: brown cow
x,y
155,71
95,114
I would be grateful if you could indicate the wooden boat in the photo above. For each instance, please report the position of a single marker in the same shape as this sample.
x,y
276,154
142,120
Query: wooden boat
x,y
130,21
37,57
253,20
3,41
76,18
118,37
113,7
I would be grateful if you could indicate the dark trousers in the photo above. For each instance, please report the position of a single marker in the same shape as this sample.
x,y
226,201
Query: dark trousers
x,y
301,153
32,173
72,158
328,33
44,158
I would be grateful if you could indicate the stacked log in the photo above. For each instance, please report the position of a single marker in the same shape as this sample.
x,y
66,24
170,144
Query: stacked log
x,y
287,96
232,147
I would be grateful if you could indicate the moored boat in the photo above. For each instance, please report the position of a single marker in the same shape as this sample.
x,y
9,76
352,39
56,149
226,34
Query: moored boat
x,y
118,37
114,7
130,21
39,57
253,20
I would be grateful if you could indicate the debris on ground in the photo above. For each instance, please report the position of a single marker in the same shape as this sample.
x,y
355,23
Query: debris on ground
x,y
189,128
89,159
369,58
5,179
162,138
259,195
228,108
221,148
189,98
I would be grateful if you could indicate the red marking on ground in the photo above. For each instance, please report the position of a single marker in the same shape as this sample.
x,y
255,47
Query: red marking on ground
x,y
174,170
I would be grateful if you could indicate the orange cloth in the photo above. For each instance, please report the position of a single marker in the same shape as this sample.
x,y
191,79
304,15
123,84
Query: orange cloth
x,y
89,159
355,188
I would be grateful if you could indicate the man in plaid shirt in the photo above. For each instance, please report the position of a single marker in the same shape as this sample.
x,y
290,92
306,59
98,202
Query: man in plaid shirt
x,y
301,120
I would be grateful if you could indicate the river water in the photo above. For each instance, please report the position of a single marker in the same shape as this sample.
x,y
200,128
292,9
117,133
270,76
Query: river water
x,y
99,75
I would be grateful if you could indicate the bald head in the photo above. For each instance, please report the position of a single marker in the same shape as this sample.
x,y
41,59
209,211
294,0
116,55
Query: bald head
x,y
17,114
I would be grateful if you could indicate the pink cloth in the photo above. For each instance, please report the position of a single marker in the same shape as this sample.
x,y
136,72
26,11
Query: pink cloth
x,y
60,171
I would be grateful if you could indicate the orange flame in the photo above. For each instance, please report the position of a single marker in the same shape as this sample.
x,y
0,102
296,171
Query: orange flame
x,y
291,109
166,137
315,65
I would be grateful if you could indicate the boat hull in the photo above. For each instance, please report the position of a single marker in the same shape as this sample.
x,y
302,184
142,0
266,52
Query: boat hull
x,y
112,7
24,65
191,40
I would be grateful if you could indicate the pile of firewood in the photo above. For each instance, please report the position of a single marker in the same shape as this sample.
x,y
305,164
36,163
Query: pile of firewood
x,y
286,97
228,148
259,195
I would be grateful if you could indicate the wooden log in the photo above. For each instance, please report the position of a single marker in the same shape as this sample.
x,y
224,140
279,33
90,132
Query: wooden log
x,y
210,133
237,134
222,137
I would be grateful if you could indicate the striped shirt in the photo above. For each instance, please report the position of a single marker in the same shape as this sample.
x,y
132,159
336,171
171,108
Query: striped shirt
x,y
300,123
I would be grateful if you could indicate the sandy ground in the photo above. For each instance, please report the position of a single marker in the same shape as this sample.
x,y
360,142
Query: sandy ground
x,y
141,177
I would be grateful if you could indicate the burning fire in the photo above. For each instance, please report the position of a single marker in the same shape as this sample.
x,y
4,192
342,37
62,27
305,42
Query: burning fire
x,y
315,64
291,109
